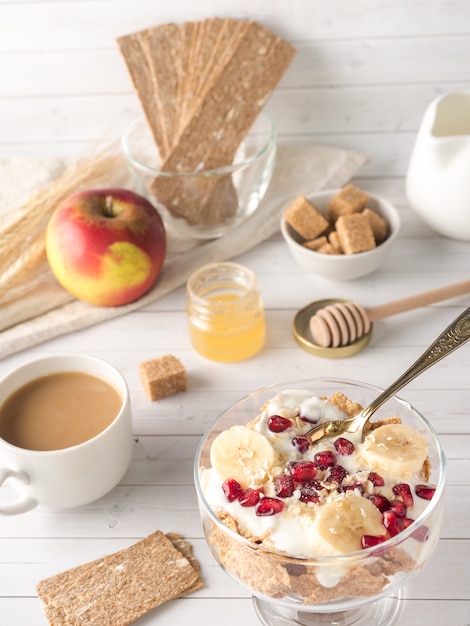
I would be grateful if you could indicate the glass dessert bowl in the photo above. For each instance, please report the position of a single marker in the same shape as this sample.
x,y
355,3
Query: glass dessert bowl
x,y
327,533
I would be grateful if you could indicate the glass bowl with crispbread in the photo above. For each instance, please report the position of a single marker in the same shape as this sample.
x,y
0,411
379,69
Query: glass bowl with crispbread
x,y
323,533
340,234
203,152
205,203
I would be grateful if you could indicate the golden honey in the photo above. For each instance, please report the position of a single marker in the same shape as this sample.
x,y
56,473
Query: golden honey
x,y
225,312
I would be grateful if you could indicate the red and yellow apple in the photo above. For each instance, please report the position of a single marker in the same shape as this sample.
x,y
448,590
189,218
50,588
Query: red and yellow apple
x,y
106,246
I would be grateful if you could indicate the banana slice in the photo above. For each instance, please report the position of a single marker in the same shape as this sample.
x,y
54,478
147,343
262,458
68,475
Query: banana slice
x,y
243,454
396,449
341,523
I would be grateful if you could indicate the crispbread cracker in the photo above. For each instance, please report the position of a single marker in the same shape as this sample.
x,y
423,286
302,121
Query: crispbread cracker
x,y
119,588
162,46
232,36
134,55
225,115
56,617
186,550
190,30
202,85
233,102
210,34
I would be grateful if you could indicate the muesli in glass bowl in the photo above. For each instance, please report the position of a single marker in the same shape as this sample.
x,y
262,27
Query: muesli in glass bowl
x,y
324,533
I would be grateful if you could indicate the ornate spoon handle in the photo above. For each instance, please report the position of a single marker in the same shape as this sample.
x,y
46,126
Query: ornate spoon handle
x,y
454,336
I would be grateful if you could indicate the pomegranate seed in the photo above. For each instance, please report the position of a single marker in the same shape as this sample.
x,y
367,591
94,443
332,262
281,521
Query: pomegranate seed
x,y
309,420
337,474
344,446
380,502
359,486
324,460
403,490
301,443
392,523
232,489
278,424
407,521
308,492
302,471
376,479
269,506
316,485
369,541
398,507
425,491
420,534
284,486
250,497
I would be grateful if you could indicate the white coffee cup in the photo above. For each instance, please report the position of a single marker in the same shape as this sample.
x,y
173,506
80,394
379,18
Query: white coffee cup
x,y
75,475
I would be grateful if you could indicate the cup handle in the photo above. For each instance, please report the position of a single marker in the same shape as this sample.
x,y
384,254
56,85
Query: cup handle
x,y
24,503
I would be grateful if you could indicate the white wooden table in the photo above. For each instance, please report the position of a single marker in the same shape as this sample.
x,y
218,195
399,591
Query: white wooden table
x,y
158,491
364,74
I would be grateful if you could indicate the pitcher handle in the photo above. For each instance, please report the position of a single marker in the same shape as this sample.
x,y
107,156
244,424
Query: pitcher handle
x,y
23,503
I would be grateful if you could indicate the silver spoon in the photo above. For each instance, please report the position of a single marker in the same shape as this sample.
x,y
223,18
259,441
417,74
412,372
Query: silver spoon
x,y
454,336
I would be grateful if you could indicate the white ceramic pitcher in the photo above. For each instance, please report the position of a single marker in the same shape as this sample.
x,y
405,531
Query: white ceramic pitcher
x,y
438,178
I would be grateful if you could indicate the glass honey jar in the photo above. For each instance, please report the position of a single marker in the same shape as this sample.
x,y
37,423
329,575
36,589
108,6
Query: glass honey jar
x,y
225,312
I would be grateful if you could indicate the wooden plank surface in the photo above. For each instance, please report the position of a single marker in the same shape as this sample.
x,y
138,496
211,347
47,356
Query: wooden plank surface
x,y
363,76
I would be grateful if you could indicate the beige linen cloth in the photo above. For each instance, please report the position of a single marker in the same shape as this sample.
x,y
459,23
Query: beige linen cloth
x,y
47,310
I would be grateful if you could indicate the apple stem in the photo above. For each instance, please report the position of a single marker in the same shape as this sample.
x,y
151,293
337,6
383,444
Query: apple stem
x,y
109,206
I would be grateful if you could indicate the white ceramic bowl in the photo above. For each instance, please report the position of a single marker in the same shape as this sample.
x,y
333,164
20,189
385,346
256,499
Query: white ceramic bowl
x,y
343,267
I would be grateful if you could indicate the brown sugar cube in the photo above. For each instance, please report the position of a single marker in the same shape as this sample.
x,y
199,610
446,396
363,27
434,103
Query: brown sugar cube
x,y
327,248
305,219
355,233
349,200
314,244
335,241
378,224
163,377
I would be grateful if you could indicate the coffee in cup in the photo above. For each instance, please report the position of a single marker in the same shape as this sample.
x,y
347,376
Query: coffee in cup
x,y
65,431
58,410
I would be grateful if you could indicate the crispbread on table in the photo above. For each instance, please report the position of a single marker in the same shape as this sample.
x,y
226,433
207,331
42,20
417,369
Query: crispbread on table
x,y
121,587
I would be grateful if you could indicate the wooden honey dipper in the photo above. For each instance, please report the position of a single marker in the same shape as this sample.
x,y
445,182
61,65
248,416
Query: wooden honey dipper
x,y
342,323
